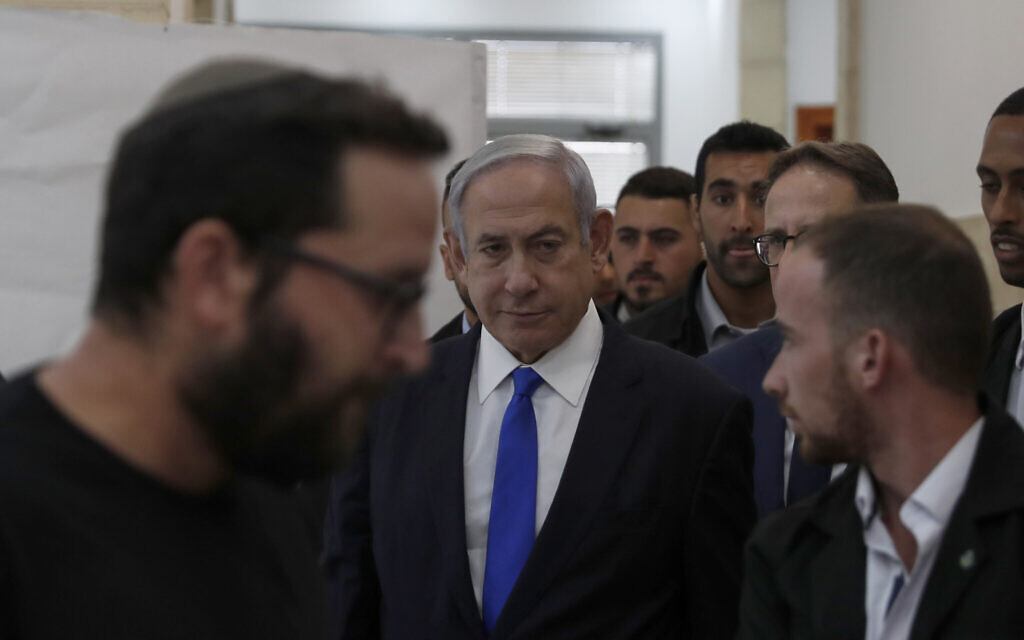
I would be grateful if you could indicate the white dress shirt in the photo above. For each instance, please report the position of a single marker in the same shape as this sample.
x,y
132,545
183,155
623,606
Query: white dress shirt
x,y
925,514
717,330
622,313
1015,397
557,404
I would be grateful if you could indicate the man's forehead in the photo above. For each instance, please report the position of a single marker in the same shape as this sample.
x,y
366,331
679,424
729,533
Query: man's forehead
x,y
518,192
637,211
807,194
746,164
1004,140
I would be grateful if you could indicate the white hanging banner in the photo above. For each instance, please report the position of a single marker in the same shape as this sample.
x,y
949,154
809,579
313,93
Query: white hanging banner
x,y
71,81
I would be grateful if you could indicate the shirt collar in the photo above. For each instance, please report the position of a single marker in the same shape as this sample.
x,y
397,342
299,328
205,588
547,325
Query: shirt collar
x,y
712,318
565,368
1019,362
938,493
465,323
622,313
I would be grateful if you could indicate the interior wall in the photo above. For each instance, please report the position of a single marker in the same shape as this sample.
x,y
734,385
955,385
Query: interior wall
x,y
811,55
931,73
82,77
700,75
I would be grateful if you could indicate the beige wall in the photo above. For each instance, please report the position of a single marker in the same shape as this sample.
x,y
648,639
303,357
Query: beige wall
x,y
140,10
763,96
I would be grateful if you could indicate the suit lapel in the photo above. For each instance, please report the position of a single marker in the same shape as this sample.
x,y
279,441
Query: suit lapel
x,y
444,410
838,571
690,338
1003,354
994,486
611,416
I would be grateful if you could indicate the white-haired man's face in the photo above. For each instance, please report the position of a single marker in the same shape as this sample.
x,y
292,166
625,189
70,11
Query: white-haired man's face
x,y
528,273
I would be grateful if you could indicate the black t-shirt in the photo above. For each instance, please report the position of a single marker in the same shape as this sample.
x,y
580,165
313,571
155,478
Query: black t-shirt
x,y
92,548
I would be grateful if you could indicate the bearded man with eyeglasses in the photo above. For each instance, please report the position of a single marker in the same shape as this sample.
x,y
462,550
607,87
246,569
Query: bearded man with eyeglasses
x,y
264,237
807,183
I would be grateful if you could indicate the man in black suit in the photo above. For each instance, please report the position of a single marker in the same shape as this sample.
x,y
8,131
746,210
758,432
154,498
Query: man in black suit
x,y
806,183
654,240
729,295
548,476
465,320
1000,169
921,536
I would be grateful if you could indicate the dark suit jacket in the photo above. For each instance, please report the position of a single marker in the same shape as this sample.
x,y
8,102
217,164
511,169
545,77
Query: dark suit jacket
x,y
806,566
744,364
612,309
643,540
451,328
674,322
1002,354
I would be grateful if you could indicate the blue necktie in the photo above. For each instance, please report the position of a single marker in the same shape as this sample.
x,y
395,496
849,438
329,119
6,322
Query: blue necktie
x,y
510,530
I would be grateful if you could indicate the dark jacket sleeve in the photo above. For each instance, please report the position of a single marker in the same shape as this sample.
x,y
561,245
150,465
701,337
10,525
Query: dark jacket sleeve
x,y
353,591
722,515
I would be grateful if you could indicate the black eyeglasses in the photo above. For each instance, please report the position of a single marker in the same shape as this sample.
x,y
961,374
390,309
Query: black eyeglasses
x,y
770,247
400,296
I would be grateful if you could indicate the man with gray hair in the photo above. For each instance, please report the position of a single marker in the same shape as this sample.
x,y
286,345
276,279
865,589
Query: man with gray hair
x,y
549,476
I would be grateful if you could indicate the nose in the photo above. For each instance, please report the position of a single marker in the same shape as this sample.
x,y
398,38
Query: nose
x,y
520,280
406,350
644,250
1007,208
774,382
744,215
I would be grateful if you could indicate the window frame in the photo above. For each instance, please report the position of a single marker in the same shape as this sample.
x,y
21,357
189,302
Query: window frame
x,y
579,129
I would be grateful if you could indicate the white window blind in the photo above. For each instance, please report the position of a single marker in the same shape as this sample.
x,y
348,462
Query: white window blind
x,y
604,81
611,164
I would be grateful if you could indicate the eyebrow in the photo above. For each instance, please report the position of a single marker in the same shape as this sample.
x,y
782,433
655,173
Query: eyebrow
x,y
487,238
1014,173
550,229
723,183
771,231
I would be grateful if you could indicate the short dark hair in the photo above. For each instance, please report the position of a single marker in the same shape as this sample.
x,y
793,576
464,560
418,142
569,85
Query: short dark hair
x,y
449,177
900,268
858,162
1012,105
738,137
659,182
252,144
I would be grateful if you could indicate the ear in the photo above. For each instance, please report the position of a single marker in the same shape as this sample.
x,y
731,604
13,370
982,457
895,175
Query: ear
x,y
695,218
212,279
600,238
870,359
446,260
456,256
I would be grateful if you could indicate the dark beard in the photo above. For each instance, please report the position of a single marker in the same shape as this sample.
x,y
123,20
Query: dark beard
x,y
255,414
755,276
852,429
